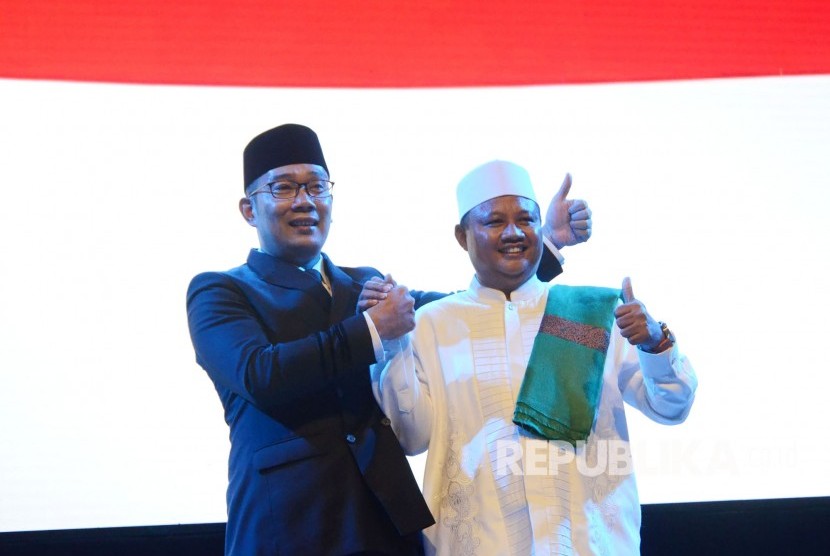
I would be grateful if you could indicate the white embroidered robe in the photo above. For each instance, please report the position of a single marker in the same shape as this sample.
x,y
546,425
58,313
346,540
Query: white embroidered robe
x,y
451,388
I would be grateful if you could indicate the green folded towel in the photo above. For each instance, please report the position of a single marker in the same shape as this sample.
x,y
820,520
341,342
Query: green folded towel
x,y
560,392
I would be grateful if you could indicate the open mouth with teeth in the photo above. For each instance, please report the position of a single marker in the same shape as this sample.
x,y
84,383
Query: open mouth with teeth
x,y
513,250
303,223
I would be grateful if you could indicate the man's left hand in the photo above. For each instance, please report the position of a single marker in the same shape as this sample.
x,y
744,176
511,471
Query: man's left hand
x,y
567,221
635,324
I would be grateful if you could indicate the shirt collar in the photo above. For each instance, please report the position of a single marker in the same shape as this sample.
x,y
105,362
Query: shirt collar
x,y
531,289
318,266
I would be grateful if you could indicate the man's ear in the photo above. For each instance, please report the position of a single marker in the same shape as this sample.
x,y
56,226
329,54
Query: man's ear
x,y
246,209
461,236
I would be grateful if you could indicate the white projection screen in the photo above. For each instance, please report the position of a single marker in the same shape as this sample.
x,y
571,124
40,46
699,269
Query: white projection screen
x,y
711,194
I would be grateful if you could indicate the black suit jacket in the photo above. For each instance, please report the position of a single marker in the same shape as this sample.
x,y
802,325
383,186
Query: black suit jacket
x,y
314,466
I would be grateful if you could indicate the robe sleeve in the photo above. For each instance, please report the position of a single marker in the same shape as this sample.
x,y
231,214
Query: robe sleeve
x,y
661,385
401,388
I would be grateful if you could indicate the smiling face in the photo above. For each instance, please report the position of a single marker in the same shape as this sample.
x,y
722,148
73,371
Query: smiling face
x,y
503,239
292,230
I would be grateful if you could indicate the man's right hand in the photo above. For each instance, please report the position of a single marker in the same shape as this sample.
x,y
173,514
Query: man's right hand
x,y
567,221
394,316
374,291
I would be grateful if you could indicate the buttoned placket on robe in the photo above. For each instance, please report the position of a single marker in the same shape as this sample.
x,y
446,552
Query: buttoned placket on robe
x,y
500,369
496,366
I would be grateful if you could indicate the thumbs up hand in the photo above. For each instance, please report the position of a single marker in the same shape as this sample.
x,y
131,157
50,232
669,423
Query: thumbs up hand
x,y
635,324
627,290
567,221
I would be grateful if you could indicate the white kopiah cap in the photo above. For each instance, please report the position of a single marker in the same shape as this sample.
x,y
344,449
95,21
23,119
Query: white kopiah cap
x,y
491,180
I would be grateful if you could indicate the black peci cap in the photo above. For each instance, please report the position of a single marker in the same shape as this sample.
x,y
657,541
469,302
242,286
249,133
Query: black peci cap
x,y
281,146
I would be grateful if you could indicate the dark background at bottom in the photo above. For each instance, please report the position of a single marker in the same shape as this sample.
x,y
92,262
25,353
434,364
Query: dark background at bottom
x,y
754,527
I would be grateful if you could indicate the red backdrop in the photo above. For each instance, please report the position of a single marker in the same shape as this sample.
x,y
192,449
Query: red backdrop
x,y
377,43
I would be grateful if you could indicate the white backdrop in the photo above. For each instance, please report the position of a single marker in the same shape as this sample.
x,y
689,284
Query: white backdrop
x,y
712,195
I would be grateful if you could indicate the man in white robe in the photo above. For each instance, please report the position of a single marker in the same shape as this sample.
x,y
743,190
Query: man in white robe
x,y
451,387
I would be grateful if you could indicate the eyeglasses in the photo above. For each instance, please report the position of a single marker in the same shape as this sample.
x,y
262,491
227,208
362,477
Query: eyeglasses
x,y
287,189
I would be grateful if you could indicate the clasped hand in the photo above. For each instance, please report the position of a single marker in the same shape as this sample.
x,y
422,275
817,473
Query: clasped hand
x,y
389,305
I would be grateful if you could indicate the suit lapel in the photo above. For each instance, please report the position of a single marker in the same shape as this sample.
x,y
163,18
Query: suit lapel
x,y
284,275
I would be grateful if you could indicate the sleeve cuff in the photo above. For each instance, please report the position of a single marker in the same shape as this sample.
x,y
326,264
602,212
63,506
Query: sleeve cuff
x,y
552,248
377,343
656,365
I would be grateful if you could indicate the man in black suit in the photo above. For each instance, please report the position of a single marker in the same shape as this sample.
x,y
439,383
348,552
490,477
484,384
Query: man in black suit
x,y
314,466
